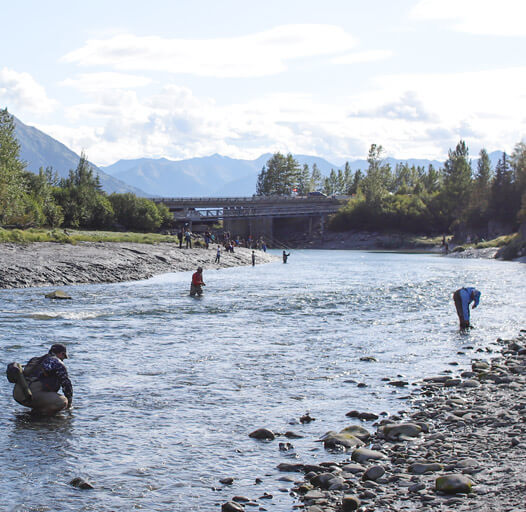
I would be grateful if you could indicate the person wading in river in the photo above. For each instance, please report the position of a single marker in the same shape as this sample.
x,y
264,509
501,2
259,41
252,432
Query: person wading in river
x,y
197,283
41,380
463,298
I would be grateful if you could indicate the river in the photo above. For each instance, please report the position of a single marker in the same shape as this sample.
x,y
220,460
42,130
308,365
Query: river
x,y
167,387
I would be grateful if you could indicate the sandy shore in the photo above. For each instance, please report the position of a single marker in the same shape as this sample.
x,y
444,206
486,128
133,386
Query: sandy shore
x,y
52,264
459,446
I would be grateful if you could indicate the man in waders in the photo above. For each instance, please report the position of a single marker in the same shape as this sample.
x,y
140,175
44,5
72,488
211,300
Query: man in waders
x,y
285,256
463,298
38,385
197,283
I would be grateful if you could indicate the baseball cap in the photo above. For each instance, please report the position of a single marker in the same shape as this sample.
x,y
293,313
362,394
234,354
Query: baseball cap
x,y
58,348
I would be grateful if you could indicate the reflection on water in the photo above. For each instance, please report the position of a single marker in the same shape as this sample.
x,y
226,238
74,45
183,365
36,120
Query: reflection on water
x,y
167,387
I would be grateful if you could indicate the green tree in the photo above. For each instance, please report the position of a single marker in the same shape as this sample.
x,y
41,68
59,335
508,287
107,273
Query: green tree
x,y
14,203
279,176
136,213
82,200
457,183
503,208
304,181
316,180
375,186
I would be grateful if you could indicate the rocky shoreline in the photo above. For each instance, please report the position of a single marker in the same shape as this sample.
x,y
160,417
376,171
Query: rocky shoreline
x,y
460,446
55,264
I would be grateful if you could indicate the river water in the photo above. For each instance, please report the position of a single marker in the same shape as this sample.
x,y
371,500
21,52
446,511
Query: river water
x,y
167,387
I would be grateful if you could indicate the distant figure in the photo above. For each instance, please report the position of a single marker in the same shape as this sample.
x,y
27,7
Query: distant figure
x,y
188,239
38,384
463,298
197,283
285,256
218,255
264,246
180,236
253,258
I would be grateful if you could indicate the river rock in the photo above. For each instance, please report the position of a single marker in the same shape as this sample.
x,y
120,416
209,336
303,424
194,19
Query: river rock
x,y
232,506
324,480
373,473
453,483
81,483
262,433
58,294
400,431
334,441
227,481
357,431
350,503
364,454
419,468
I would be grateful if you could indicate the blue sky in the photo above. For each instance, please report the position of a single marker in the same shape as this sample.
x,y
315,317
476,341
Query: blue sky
x,y
181,79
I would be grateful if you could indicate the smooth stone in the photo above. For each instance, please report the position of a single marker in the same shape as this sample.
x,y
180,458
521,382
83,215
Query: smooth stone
x,y
373,473
357,431
369,359
58,294
353,468
470,383
453,484
350,503
364,454
262,433
397,431
335,441
81,483
227,481
231,506
419,468
324,480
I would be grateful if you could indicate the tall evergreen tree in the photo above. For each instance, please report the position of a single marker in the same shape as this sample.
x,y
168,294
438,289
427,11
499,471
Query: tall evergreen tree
x,y
501,204
457,183
13,199
279,176
316,180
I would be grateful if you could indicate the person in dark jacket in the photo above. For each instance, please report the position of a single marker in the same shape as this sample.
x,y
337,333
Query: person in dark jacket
x,y
44,376
285,256
463,298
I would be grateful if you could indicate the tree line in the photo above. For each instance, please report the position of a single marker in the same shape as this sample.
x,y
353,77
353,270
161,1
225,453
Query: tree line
x,y
452,199
77,201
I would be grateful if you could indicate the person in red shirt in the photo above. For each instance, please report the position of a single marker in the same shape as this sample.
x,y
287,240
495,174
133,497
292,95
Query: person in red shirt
x,y
197,283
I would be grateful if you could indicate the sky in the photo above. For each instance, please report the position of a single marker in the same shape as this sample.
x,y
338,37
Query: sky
x,y
190,78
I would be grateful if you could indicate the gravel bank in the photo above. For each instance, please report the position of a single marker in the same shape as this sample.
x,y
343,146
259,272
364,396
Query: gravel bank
x,y
461,445
52,264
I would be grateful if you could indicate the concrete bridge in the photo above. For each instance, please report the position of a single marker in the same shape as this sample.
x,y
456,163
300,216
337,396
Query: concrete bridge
x,y
255,216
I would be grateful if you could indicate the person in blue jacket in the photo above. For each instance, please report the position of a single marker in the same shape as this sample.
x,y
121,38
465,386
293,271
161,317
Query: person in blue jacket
x,y
463,298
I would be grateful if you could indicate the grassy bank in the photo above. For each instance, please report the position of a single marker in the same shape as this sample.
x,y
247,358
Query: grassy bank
x,y
70,236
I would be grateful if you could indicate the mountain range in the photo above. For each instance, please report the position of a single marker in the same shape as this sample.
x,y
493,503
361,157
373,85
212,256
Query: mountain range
x,y
210,176
38,150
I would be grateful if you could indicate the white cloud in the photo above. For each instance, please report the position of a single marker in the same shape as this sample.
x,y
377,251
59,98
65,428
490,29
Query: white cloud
x,y
94,82
260,54
502,18
359,57
23,92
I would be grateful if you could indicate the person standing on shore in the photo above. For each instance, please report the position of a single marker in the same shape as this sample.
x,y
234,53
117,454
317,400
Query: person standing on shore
x,y
218,255
253,258
197,283
463,298
41,380
188,239
285,256
180,236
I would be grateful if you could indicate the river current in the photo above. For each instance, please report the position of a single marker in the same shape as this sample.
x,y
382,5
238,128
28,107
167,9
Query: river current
x,y
168,387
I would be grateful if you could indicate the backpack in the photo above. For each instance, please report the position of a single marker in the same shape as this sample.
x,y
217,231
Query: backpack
x,y
13,372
